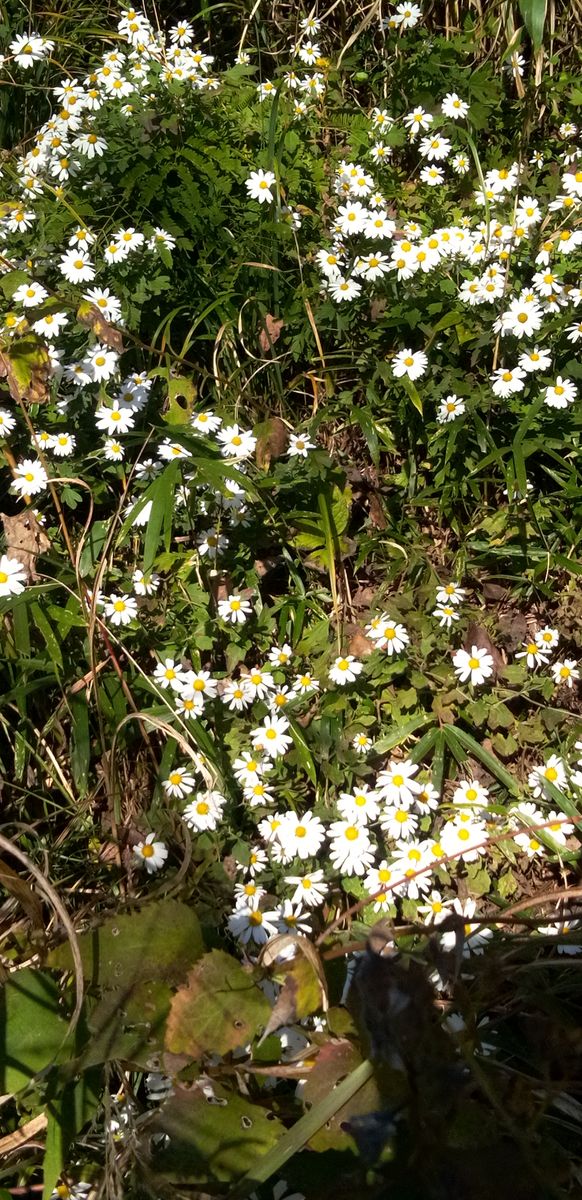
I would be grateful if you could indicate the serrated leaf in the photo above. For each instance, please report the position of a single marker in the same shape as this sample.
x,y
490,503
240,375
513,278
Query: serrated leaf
x,y
219,1008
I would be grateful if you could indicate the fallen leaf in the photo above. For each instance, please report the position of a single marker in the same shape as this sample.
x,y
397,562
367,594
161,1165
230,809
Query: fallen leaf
x,y
272,439
270,333
25,540
477,635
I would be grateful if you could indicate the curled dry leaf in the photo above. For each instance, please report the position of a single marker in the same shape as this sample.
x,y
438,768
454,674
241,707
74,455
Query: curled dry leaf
x,y
89,316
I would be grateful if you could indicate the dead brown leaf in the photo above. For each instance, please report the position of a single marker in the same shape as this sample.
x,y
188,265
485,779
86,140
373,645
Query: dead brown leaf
x,y
477,635
23,1135
25,540
270,333
90,316
272,439
359,645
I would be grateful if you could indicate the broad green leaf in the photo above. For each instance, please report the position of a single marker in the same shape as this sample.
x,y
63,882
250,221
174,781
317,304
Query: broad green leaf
x,y
128,1026
413,394
32,1027
159,942
219,1008
294,1139
336,1060
213,1141
533,15
177,413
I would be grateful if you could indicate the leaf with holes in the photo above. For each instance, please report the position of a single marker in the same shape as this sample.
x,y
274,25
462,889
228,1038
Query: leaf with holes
x,y
220,1007
160,942
219,1137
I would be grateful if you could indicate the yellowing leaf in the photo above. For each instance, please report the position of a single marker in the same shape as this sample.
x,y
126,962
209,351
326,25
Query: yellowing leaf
x,y
220,1007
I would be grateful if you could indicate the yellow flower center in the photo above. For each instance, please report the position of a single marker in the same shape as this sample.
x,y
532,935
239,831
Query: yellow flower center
x,y
147,851
474,663
300,831
3,577
352,834
203,808
472,794
234,605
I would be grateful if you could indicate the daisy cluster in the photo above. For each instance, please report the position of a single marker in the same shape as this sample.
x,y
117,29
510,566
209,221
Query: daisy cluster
x,y
511,260
396,832
485,257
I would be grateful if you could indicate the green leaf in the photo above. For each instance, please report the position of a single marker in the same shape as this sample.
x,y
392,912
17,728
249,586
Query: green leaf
x,y
80,742
401,732
32,1027
456,737
47,632
303,752
160,942
128,1026
219,1008
413,394
296,1138
213,1141
533,15
161,494
179,414
93,546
